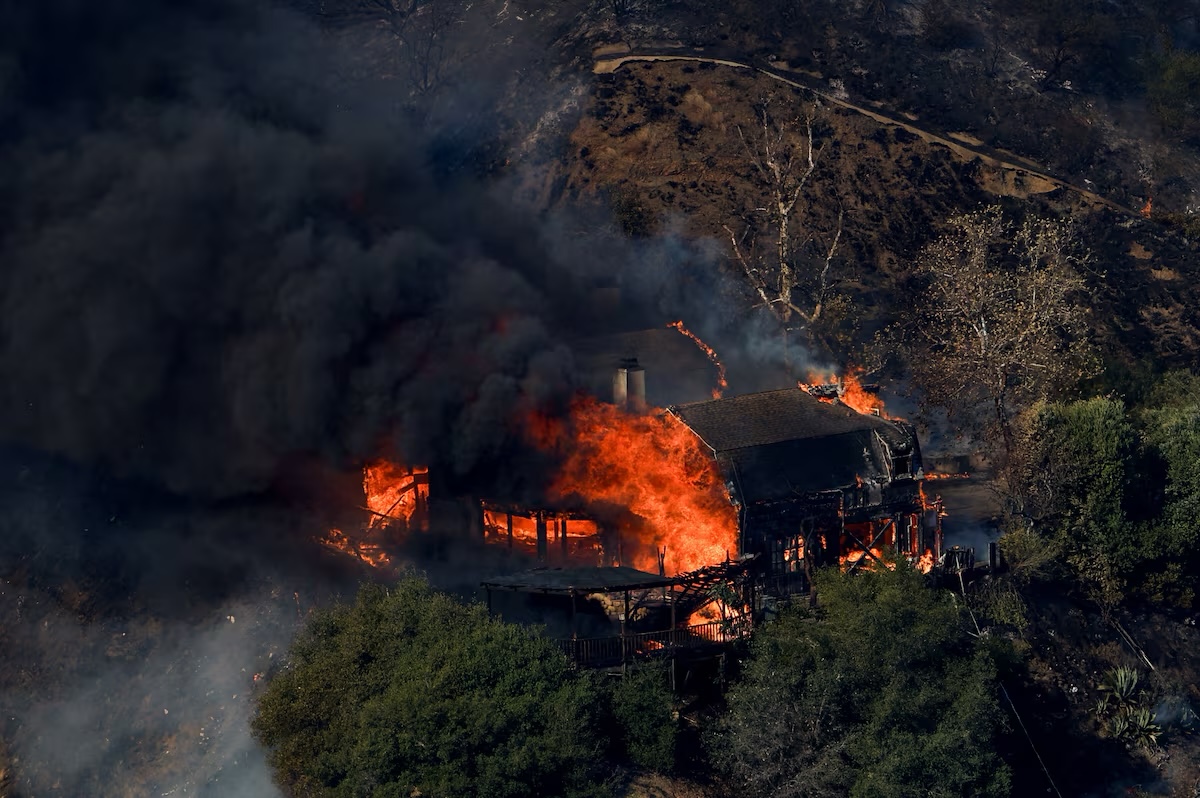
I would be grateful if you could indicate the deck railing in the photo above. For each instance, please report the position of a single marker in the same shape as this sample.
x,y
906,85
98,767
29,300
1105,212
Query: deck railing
x,y
600,651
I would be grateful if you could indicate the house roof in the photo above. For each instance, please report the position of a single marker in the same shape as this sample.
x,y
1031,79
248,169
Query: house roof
x,y
791,414
783,444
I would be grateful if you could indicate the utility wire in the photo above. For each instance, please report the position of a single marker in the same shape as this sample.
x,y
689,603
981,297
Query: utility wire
x,y
963,589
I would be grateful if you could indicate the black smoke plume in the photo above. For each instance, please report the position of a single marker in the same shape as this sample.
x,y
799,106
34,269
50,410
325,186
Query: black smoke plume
x,y
225,257
215,262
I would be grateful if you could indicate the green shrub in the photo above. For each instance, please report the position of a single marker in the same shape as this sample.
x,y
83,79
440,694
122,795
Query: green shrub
x,y
1173,91
644,708
409,692
882,692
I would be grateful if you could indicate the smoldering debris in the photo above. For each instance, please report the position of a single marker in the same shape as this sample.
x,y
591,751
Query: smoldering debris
x,y
137,629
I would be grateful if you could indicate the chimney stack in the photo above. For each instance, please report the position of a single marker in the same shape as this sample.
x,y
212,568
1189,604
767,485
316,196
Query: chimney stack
x,y
629,386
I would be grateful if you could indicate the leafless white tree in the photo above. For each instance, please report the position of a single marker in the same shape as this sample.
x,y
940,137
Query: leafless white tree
x,y
783,157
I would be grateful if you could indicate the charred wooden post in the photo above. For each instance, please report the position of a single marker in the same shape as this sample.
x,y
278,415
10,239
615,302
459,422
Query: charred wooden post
x,y
574,617
542,542
625,652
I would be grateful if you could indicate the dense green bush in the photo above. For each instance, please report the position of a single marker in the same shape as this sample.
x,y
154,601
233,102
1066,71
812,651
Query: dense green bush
x,y
1118,490
882,692
409,692
1173,90
644,708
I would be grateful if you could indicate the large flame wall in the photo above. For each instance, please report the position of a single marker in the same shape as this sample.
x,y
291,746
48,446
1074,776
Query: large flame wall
x,y
653,466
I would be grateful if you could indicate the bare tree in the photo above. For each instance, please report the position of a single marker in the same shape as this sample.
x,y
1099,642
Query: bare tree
x,y
778,256
424,40
420,28
619,8
1001,321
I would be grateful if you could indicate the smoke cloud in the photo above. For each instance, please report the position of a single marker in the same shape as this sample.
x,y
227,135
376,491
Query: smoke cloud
x,y
229,257
215,262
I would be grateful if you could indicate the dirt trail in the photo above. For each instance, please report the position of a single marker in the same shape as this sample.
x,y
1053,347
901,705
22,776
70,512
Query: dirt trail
x,y
610,59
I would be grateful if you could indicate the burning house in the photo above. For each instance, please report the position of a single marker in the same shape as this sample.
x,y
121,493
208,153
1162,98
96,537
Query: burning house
x,y
661,528
795,479
817,482
805,479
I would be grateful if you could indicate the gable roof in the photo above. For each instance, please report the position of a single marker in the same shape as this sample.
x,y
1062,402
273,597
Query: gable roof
x,y
790,414
784,444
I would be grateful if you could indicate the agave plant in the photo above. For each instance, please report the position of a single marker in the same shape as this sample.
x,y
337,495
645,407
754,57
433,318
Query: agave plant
x,y
1143,730
1117,726
1119,690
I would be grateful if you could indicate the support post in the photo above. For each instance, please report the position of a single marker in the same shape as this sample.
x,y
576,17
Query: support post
x,y
542,543
574,623
624,627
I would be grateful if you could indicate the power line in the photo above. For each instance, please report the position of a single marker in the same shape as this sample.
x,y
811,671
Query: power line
x,y
963,588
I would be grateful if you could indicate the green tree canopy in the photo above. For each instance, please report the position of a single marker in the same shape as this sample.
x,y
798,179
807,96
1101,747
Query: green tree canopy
x,y
1173,90
410,692
1119,489
879,693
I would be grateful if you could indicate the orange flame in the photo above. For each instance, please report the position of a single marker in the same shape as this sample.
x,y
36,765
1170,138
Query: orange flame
x,y
722,383
925,564
732,619
394,492
855,556
935,475
928,504
656,468
1147,207
370,553
850,391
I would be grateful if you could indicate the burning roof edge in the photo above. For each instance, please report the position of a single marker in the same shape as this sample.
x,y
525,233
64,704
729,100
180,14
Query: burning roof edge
x,y
789,414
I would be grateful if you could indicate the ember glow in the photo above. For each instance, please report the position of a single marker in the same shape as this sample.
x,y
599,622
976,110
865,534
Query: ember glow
x,y
867,562
849,391
722,383
653,466
369,552
396,496
577,537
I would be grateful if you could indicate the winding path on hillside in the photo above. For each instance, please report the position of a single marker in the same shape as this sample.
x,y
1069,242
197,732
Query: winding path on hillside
x,y
609,59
